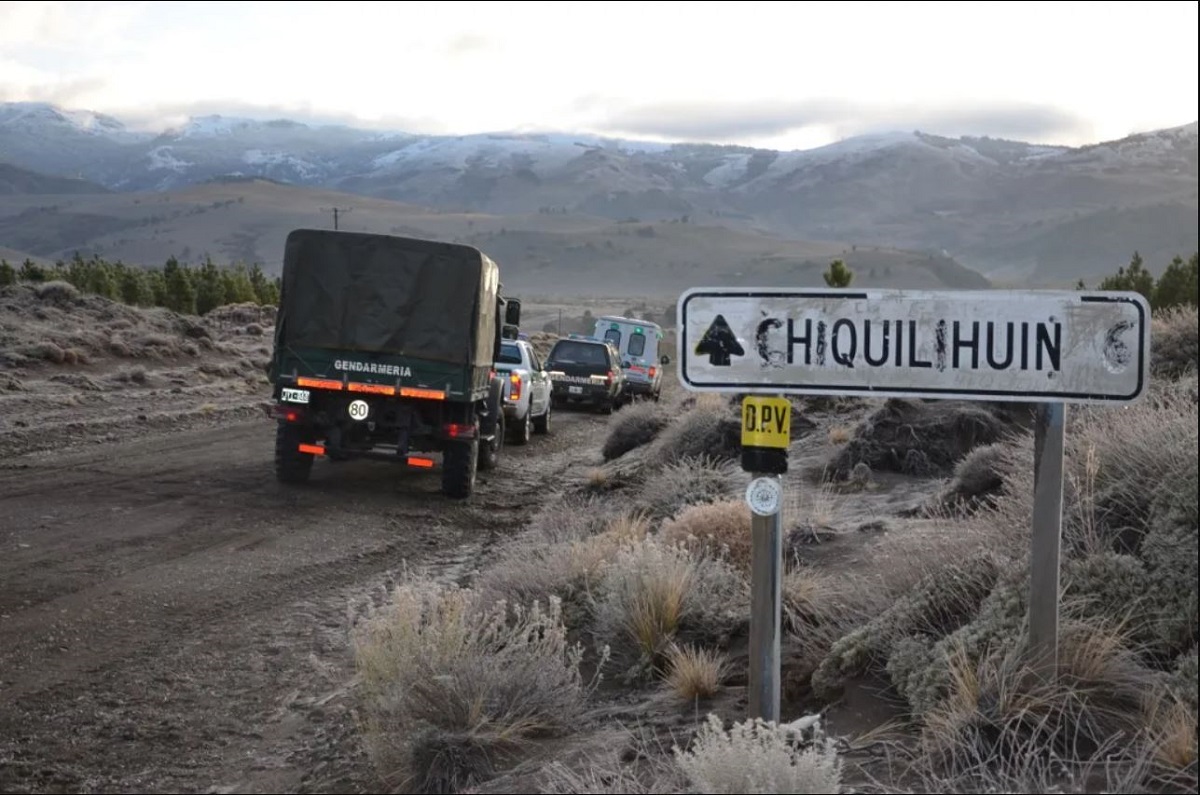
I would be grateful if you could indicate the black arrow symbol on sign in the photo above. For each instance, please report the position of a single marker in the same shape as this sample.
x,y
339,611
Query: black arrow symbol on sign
x,y
719,342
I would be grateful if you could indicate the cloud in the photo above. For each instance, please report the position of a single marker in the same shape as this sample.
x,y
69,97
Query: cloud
x,y
727,121
26,84
50,26
469,44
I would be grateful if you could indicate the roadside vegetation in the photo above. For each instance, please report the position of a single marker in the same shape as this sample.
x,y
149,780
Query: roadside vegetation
x,y
906,581
180,287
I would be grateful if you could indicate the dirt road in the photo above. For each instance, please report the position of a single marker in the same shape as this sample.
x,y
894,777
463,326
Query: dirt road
x,y
172,619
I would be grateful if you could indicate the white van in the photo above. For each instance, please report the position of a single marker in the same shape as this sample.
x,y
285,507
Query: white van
x,y
638,342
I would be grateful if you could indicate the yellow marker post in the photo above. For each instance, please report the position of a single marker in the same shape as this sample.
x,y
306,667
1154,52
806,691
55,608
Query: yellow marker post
x,y
766,422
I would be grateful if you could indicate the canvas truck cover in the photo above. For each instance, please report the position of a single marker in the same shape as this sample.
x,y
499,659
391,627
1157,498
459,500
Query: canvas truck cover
x,y
353,291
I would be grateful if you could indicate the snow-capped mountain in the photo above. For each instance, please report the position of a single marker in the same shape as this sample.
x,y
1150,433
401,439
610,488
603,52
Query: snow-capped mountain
x,y
1000,203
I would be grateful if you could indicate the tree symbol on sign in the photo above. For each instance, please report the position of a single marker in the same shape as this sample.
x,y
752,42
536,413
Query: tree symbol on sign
x,y
719,342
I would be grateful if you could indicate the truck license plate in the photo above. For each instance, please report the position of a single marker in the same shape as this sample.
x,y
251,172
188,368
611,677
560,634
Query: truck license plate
x,y
575,390
294,395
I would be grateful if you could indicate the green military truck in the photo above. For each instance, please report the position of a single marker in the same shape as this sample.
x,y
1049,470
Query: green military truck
x,y
384,349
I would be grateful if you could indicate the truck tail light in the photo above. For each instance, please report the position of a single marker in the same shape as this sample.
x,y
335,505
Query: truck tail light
x,y
653,371
459,430
287,413
608,379
515,380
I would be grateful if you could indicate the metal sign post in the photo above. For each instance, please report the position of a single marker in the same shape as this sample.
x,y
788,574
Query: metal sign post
x,y
1049,347
1048,447
766,434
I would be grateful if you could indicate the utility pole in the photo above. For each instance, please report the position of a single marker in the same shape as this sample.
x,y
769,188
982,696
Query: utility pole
x,y
336,211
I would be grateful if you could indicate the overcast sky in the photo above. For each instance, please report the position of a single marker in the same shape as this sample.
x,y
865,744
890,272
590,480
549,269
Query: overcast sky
x,y
784,75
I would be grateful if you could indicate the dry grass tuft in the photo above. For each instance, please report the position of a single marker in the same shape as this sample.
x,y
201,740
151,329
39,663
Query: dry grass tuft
x,y
652,592
453,687
694,673
597,479
1171,737
840,434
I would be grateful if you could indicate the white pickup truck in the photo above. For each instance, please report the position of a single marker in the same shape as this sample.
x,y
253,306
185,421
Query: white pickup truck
x,y
527,389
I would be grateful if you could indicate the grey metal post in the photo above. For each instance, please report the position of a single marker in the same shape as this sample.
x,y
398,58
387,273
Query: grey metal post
x,y
766,562
1049,439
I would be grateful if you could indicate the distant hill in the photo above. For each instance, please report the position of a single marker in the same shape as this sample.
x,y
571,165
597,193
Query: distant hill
x,y
1016,211
19,181
239,220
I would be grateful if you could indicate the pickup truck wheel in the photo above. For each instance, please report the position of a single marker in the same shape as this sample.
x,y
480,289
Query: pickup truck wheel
x,y
291,465
458,468
542,423
522,430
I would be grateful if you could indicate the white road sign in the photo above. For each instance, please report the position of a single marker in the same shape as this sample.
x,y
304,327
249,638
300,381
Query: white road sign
x,y
1020,345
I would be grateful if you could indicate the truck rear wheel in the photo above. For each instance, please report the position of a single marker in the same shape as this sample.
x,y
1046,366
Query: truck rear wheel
x,y
459,462
291,465
493,422
489,451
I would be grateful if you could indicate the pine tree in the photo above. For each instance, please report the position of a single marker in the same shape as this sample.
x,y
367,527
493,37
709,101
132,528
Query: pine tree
x,y
260,283
8,274
180,294
157,287
100,279
77,272
238,287
210,289
838,274
135,289
1177,284
32,272
1137,279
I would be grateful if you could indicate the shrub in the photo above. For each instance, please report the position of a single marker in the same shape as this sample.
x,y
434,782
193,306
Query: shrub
x,y
915,438
702,432
1173,342
978,478
1184,678
653,594
452,686
718,529
58,292
689,481
758,757
48,351
634,427
998,711
944,600
565,562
